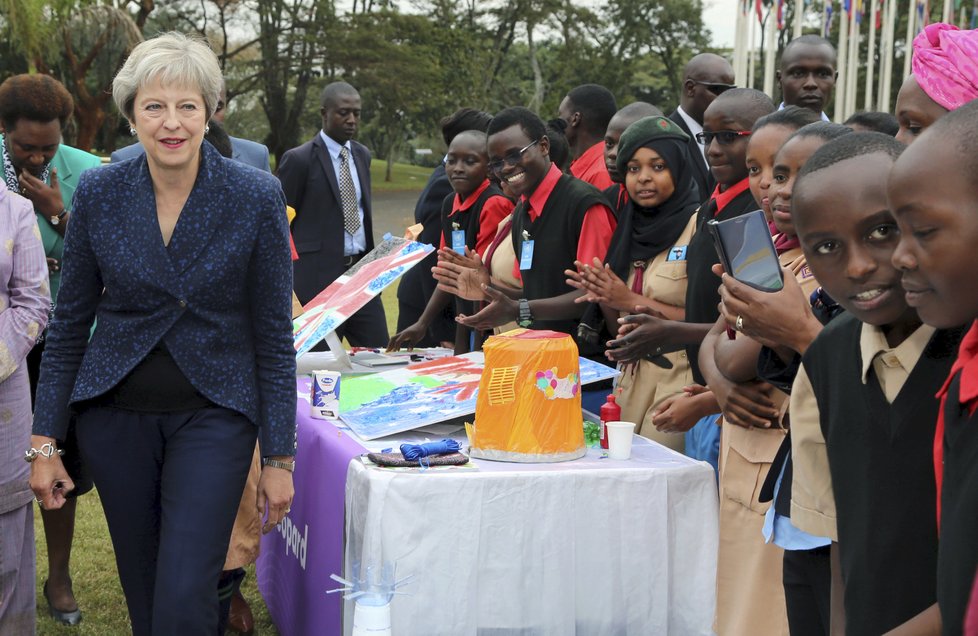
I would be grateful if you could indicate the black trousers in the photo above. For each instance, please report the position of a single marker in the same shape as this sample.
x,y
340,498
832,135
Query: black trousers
x,y
367,327
170,485
807,578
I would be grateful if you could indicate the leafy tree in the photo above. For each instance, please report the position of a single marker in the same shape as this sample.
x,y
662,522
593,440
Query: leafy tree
x,y
670,30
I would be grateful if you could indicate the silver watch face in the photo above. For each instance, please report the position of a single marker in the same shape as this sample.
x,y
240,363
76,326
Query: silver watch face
x,y
55,220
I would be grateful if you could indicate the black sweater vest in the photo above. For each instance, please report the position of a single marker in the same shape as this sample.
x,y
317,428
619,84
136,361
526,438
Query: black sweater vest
x,y
958,557
555,235
469,219
881,461
702,285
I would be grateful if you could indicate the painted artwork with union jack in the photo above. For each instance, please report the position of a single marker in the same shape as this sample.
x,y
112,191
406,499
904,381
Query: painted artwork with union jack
x,y
347,294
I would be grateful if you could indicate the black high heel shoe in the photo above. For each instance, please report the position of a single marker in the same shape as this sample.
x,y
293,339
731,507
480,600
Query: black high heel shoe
x,y
65,618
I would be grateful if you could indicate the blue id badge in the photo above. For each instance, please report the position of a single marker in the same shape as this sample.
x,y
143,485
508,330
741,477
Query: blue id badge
x,y
526,256
458,242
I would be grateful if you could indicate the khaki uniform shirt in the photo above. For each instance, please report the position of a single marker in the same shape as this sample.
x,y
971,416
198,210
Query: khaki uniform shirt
x,y
645,385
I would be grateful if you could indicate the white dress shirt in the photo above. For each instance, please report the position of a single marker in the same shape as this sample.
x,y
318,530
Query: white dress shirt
x,y
355,243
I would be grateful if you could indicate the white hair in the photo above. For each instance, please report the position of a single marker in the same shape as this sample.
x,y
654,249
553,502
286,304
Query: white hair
x,y
172,59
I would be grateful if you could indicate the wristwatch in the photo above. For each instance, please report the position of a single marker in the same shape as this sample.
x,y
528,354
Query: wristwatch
x,y
525,317
276,463
55,219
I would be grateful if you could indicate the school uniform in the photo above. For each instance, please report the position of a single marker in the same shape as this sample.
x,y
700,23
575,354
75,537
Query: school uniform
x,y
567,219
617,197
644,385
806,570
471,223
750,593
876,413
500,258
956,460
590,167
702,285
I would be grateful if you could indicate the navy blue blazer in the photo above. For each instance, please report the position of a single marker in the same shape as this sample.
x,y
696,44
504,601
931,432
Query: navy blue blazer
x,y
310,186
219,296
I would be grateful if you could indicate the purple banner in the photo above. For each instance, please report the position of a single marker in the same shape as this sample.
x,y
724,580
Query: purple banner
x,y
298,556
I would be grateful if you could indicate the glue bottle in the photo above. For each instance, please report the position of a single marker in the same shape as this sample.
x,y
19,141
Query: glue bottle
x,y
610,412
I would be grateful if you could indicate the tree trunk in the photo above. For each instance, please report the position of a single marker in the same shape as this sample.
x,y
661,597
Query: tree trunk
x,y
89,118
537,101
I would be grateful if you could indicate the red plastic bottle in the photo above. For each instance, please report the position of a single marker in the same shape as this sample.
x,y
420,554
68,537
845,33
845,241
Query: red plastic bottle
x,y
610,412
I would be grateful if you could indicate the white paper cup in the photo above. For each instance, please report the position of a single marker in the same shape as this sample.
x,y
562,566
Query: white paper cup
x,y
620,439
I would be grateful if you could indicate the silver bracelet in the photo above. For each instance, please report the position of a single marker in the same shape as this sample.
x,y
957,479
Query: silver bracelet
x,y
47,450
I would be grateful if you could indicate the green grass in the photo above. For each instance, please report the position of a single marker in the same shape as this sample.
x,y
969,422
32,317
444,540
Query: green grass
x,y
96,580
403,177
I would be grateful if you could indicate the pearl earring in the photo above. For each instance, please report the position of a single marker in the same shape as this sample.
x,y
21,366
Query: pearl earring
x,y
207,129
132,131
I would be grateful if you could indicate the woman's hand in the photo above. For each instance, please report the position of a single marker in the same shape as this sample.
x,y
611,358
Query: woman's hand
x,y
49,479
746,404
470,259
407,337
462,276
275,494
46,198
679,413
500,310
639,335
601,285
775,319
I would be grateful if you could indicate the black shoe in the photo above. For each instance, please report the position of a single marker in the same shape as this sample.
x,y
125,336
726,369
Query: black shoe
x,y
65,618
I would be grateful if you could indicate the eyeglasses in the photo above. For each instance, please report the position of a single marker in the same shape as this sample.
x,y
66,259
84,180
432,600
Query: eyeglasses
x,y
723,137
714,88
511,158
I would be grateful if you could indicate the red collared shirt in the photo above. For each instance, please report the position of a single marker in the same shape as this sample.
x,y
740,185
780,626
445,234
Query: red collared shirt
x,y
493,211
728,195
967,365
590,167
599,222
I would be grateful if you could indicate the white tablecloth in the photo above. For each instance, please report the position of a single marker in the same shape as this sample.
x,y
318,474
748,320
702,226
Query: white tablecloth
x,y
593,546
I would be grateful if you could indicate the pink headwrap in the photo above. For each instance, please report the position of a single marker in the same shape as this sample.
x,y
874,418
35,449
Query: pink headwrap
x,y
945,64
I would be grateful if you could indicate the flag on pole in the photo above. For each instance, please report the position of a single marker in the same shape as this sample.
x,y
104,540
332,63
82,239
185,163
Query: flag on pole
x,y
759,10
781,14
974,15
828,19
879,15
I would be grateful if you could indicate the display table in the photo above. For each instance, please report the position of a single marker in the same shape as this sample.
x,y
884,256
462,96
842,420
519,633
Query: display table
x,y
594,546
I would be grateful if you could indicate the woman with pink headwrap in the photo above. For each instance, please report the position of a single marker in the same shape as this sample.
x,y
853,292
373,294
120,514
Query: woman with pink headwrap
x,y
945,76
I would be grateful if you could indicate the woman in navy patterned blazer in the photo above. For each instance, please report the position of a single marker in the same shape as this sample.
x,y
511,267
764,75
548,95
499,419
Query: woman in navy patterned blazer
x,y
183,259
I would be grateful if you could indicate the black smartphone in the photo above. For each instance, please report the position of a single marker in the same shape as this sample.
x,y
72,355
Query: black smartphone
x,y
747,251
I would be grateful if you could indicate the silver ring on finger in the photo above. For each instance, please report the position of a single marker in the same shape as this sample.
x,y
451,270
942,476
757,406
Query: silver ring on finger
x,y
739,323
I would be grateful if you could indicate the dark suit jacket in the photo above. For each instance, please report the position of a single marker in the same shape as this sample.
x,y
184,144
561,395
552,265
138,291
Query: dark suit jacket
x,y
219,296
701,173
310,186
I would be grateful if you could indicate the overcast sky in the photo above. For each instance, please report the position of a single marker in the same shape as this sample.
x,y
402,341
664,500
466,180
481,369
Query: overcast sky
x,y
720,17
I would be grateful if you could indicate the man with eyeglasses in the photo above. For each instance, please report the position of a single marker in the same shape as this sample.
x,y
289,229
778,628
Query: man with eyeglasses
x,y
705,76
807,73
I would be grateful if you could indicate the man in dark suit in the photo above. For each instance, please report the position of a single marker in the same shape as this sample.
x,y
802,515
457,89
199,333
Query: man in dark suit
x,y
705,76
327,181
